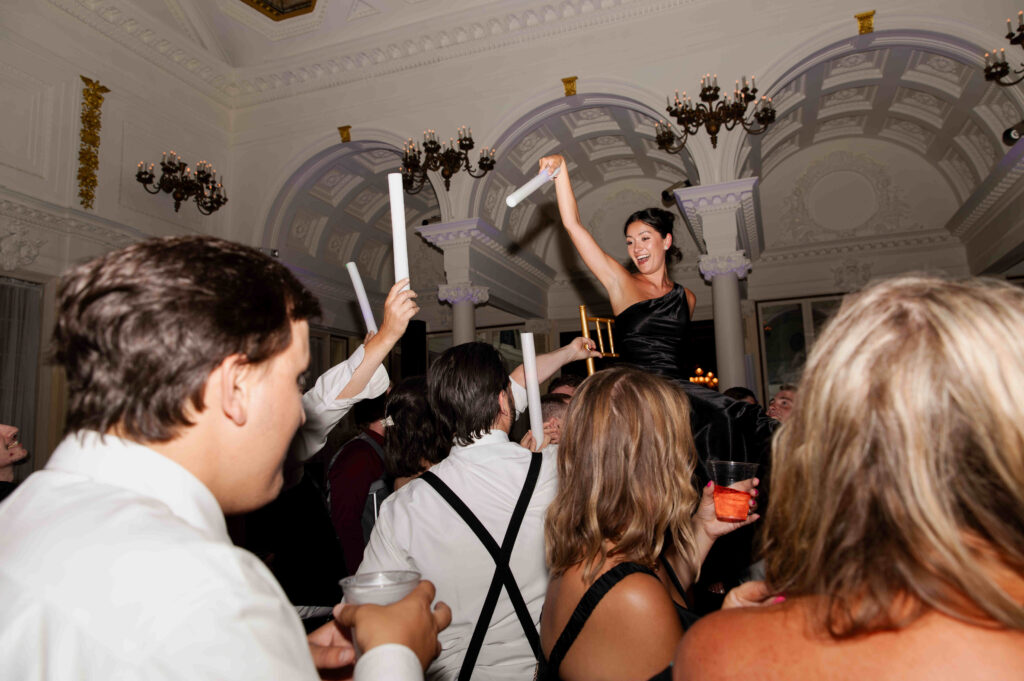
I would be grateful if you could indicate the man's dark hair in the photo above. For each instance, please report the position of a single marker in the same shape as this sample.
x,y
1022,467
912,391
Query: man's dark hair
x,y
740,392
140,329
414,435
552,406
366,412
463,387
565,380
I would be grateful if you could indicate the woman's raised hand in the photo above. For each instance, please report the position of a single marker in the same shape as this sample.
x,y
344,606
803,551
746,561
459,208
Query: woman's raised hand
x,y
552,164
399,308
706,519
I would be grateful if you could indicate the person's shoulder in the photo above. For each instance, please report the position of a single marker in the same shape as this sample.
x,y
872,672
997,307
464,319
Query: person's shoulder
x,y
639,597
745,633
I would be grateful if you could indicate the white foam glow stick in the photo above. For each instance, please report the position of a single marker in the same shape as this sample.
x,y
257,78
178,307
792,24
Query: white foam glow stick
x,y
364,302
532,388
399,244
513,199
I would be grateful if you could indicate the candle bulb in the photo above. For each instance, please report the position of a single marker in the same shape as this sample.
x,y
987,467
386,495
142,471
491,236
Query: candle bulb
x,y
1020,19
986,60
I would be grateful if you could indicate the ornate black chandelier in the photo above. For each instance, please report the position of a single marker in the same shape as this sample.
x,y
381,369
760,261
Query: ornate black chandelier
x,y
713,114
449,159
997,69
178,180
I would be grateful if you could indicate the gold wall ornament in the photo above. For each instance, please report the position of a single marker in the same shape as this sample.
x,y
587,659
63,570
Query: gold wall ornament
x,y
89,147
279,10
865,22
570,85
346,133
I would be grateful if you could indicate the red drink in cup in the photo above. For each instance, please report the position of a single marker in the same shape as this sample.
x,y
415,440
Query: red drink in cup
x,y
731,504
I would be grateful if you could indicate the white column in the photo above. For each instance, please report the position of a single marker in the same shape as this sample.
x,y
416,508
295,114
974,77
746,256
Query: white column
x,y
724,272
463,298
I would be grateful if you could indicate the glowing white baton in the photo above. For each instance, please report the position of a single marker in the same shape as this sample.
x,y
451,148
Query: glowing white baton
x,y
530,187
398,239
532,388
364,302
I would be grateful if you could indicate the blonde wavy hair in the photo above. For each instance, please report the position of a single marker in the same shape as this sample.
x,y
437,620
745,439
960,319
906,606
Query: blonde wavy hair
x,y
625,468
897,480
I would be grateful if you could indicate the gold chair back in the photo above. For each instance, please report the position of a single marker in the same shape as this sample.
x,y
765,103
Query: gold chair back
x,y
585,322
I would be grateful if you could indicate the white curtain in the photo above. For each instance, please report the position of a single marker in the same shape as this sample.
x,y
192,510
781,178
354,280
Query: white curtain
x,y
21,305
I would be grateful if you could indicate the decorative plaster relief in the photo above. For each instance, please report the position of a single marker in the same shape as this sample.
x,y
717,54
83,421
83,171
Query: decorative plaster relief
x,y
855,67
851,275
361,9
641,123
366,204
379,160
28,106
17,248
333,185
841,196
617,168
305,230
843,126
458,293
802,252
531,148
340,245
791,95
959,172
855,98
978,148
782,128
921,106
372,258
736,263
908,133
13,213
938,71
603,146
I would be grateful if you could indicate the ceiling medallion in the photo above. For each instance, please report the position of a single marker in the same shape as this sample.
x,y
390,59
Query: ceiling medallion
x,y
279,10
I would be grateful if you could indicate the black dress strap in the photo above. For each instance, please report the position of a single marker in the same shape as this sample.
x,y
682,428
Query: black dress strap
x,y
687,616
675,581
585,608
503,572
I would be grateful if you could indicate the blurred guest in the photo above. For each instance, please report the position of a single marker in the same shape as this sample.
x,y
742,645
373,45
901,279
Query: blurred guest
x,y
11,452
742,394
895,545
355,481
553,408
625,534
413,440
184,360
565,384
780,406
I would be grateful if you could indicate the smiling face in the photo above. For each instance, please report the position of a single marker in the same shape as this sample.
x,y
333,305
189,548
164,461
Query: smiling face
x,y
11,449
646,247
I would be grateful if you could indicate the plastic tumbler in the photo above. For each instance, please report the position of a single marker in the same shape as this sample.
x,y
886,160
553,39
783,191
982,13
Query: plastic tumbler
x,y
731,504
378,588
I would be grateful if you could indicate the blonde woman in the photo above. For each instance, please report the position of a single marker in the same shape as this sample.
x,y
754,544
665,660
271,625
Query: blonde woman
x,y
896,540
621,525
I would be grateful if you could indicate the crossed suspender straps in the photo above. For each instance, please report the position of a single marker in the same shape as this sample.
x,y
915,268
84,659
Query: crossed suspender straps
x,y
502,573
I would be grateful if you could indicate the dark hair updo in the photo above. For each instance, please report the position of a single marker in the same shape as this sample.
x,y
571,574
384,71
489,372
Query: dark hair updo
x,y
661,220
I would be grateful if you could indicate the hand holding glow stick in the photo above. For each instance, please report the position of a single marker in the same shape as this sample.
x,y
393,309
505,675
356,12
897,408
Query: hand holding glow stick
x,y
364,302
398,240
532,388
513,199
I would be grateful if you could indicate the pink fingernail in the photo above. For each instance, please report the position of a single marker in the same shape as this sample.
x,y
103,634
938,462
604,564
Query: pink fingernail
x,y
778,599
709,483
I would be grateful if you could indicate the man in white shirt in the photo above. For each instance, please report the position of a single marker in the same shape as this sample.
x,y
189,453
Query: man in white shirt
x,y
184,359
475,400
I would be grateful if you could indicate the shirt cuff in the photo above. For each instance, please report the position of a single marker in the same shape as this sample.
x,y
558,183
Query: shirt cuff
x,y
390,661
323,408
519,397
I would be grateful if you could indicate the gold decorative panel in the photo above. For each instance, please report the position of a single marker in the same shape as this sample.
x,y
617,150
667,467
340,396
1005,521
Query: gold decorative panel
x,y
89,148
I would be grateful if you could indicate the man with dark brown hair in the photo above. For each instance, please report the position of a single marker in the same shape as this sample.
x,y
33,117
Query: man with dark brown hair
x,y
184,359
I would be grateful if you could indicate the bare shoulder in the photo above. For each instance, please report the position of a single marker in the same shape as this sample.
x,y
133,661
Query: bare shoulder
x,y
691,298
746,633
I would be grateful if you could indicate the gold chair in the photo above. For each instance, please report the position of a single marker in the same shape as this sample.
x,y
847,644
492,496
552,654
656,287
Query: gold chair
x,y
585,327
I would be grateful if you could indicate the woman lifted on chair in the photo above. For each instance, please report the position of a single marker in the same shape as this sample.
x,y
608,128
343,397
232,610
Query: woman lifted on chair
x,y
651,316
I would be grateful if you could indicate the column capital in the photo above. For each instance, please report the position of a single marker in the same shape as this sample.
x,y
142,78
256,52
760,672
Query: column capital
x,y
718,215
736,263
458,293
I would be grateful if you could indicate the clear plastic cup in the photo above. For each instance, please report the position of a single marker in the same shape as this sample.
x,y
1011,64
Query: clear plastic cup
x,y
731,504
378,588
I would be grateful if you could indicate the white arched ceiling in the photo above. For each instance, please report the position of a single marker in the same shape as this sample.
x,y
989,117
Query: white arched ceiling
x,y
615,165
881,134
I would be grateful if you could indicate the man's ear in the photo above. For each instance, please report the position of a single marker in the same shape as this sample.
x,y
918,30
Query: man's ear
x,y
503,403
230,384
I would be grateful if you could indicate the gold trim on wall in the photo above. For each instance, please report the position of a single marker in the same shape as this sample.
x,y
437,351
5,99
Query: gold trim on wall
x,y
346,133
865,22
268,10
89,147
570,85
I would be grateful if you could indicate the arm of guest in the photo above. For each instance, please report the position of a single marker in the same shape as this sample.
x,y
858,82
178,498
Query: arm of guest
x,y
362,376
548,364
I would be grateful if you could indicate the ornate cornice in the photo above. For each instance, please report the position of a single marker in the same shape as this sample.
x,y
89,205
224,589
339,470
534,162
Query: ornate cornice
x,y
458,293
736,196
931,238
1001,184
736,263
14,214
17,248
387,52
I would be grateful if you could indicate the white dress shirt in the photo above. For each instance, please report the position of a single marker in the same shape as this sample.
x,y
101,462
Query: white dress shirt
x,y
418,530
115,563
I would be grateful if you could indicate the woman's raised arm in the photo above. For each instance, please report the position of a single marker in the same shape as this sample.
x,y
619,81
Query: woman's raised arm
x,y
612,275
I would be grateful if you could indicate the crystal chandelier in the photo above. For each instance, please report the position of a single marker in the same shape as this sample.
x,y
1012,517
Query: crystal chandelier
x,y
178,180
997,69
713,113
434,156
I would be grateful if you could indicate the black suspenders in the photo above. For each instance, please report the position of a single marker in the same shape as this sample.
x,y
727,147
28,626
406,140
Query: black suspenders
x,y
502,573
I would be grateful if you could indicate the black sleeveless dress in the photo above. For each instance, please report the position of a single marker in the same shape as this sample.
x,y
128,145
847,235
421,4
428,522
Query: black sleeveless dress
x,y
651,335
586,606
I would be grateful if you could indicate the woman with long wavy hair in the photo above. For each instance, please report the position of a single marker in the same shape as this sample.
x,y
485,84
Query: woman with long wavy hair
x,y
622,530
895,544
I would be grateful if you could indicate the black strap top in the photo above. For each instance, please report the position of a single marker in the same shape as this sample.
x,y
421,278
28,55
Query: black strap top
x,y
584,609
652,333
